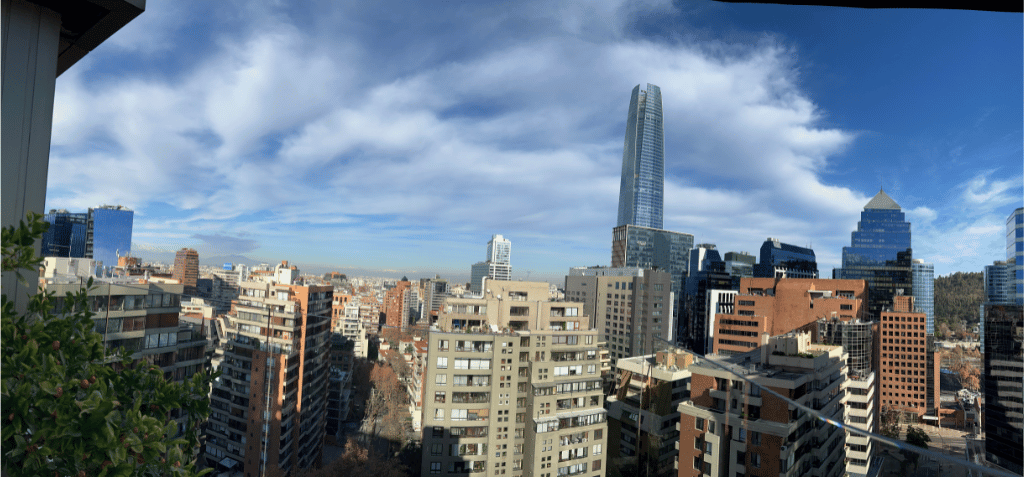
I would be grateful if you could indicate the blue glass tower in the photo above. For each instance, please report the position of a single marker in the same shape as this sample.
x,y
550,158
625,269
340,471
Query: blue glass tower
x,y
782,260
924,291
110,233
1015,256
66,236
880,253
641,192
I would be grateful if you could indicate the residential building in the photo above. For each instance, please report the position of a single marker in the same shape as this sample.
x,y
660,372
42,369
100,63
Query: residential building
x,y
1004,390
782,260
909,365
644,247
109,233
643,414
707,274
512,387
498,265
630,307
435,290
777,306
924,290
879,253
731,425
269,406
66,236
499,250
224,288
641,191
1015,255
396,305
186,269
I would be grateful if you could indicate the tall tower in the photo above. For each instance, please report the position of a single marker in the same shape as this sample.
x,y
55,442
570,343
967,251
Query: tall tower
x,y
109,233
498,265
1015,256
499,250
924,290
641,192
186,268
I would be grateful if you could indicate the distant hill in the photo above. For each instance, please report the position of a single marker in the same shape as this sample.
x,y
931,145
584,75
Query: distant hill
x,y
958,296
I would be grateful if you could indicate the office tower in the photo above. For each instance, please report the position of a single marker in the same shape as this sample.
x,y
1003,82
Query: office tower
x,y
635,246
1004,390
641,191
707,274
739,264
782,260
396,305
186,269
924,290
435,290
269,406
997,282
778,306
730,427
857,338
498,265
630,307
879,252
909,365
224,288
512,384
642,414
1015,256
109,233
66,236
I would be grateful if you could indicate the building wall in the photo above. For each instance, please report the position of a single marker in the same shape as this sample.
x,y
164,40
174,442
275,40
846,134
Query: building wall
x,y
906,362
1004,391
186,267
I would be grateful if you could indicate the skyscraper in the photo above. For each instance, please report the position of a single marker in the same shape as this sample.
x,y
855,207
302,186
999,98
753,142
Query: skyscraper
x,y
636,246
782,260
1015,256
1004,432
498,265
641,193
924,290
66,236
186,269
879,253
499,250
110,233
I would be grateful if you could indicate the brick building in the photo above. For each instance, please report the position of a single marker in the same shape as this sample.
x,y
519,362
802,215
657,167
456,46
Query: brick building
x,y
908,364
186,269
396,305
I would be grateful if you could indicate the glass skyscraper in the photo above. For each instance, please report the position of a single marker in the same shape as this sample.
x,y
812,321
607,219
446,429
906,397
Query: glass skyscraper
x,y
66,236
110,233
1015,256
924,290
880,253
641,193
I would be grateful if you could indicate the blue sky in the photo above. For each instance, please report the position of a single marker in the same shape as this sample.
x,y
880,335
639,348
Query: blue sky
x,y
400,136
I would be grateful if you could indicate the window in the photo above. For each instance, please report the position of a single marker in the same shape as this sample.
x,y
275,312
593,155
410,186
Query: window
x,y
755,438
439,396
435,449
442,345
442,362
439,414
435,467
437,431
743,435
459,414
597,449
441,379
700,423
707,448
755,460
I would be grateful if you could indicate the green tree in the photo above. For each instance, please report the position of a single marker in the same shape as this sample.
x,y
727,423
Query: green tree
x,y
915,437
890,422
73,408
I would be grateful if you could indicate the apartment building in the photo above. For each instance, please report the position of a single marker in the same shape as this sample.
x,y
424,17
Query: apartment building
x,y
186,269
858,339
269,406
780,305
512,387
731,426
643,414
630,307
908,362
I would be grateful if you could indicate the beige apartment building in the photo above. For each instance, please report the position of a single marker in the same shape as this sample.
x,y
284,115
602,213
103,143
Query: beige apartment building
x,y
512,386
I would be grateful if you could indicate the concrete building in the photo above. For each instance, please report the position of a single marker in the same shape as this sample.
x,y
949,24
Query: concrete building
x,y
643,413
269,406
396,305
1004,390
630,307
908,363
777,306
224,288
186,269
731,426
435,290
498,265
512,387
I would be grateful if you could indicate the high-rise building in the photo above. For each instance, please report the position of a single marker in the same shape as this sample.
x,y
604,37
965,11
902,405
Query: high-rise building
x,y
1015,255
269,406
631,307
924,290
435,290
739,264
879,252
512,384
1004,390
778,306
498,265
109,233
641,192
643,247
224,288
396,305
997,283
186,269
730,427
909,365
782,260
706,276
66,236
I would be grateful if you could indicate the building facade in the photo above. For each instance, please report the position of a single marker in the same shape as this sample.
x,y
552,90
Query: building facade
x,y
396,305
924,290
909,365
641,191
782,260
1015,256
879,253
512,386
66,236
186,269
1004,390
707,276
109,233
498,265
733,427
643,247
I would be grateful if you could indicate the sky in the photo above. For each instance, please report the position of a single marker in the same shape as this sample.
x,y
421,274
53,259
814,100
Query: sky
x,y
395,138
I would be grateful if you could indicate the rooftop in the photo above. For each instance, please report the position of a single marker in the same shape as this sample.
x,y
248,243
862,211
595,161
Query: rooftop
x,y
881,200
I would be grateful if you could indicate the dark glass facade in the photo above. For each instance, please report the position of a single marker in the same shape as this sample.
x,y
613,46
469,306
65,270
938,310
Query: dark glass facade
x,y
1015,256
110,233
1004,388
880,253
707,272
644,247
66,236
782,260
641,191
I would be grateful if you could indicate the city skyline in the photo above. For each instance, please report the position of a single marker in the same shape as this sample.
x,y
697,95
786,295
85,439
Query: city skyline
x,y
308,135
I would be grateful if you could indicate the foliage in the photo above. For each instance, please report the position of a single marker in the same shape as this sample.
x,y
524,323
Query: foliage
x,y
957,297
357,461
966,373
915,437
74,408
890,422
